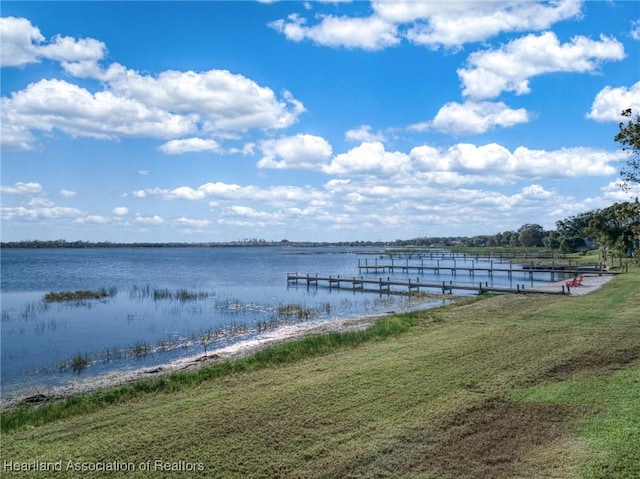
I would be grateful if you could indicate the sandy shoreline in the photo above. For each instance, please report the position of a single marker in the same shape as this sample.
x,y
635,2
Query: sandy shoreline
x,y
239,350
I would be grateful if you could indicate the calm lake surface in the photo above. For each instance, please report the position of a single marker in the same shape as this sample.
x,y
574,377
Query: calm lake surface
x,y
164,304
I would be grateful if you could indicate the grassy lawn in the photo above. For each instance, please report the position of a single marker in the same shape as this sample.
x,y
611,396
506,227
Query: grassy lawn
x,y
494,387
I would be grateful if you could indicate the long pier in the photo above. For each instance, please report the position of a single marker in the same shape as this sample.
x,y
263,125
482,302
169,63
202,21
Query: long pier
x,y
446,254
390,286
490,269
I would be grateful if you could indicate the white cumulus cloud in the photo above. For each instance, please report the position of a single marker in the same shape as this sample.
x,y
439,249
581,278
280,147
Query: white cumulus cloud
x,y
21,188
610,102
364,133
302,151
635,30
509,68
57,104
368,33
190,145
19,41
154,220
22,43
472,117
452,24
192,223
368,158
222,100
429,23
68,193
39,209
171,104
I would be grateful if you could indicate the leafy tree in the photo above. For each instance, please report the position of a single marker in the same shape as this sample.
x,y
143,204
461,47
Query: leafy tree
x,y
552,240
629,138
571,232
531,235
628,214
497,239
571,244
616,228
574,225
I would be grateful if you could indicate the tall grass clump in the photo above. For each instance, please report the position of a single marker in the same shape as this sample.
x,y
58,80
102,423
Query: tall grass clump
x,y
141,349
296,311
161,294
79,295
182,294
79,362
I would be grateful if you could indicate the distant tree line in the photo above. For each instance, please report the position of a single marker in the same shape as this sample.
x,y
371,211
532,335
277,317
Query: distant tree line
x,y
61,243
615,229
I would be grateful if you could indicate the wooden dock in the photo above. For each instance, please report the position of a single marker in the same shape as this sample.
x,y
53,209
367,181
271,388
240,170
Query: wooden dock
x,y
394,286
484,267
450,255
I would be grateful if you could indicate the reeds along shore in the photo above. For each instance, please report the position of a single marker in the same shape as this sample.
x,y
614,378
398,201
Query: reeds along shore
x,y
195,344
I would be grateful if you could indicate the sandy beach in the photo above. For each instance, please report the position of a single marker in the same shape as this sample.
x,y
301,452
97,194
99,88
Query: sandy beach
x,y
590,283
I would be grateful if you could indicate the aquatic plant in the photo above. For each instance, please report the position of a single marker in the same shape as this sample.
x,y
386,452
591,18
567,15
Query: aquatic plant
x,y
79,362
295,311
32,309
140,292
166,345
79,295
160,294
39,328
184,295
140,349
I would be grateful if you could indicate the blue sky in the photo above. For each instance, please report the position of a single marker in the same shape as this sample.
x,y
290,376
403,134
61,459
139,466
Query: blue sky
x,y
310,121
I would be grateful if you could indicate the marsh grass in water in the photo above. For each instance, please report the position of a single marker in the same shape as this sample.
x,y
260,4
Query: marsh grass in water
x,y
299,312
160,294
79,295
29,311
141,349
78,362
235,330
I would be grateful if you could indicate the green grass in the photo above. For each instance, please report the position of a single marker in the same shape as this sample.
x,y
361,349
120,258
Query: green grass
x,y
614,431
494,387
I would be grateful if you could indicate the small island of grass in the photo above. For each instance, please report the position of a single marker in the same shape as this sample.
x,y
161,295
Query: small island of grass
x,y
79,295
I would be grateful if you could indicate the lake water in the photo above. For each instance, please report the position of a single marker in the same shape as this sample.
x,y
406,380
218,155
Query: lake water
x,y
168,303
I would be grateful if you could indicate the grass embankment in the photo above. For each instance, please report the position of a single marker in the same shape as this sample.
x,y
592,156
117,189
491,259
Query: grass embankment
x,y
499,387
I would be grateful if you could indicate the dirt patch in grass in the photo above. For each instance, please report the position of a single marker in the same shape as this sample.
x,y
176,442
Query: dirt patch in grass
x,y
596,362
495,441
